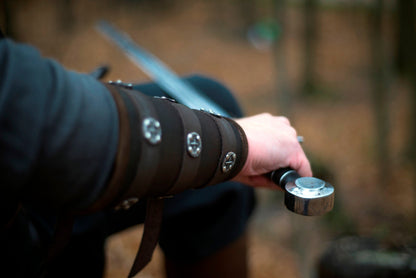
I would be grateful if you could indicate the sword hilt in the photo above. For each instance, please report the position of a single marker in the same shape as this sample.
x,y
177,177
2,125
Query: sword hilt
x,y
304,195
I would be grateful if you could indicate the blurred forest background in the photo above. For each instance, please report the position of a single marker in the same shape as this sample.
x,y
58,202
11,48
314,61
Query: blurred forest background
x,y
344,71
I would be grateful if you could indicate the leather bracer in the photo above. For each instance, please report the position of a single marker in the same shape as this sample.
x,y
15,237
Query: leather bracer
x,y
165,148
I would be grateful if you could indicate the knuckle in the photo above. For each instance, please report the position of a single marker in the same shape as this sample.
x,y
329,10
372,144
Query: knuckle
x,y
266,115
292,132
283,119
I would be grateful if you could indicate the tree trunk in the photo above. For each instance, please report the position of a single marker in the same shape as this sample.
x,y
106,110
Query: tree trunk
x,y
405,26
310,31
248,13
280,54
380,93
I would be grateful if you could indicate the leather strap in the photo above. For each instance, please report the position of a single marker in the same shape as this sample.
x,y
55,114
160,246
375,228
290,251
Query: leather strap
x,y
137,160
228,144
133,109
153,222
127,154
190,165
150,237
144,172
141,109
242,152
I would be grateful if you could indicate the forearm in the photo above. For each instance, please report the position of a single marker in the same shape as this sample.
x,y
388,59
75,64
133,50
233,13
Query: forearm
x,y
68,143
146,166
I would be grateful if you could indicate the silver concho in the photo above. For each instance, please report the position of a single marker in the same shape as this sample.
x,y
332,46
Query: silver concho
x,y
229,161
152,130
121,84
126,204
194,144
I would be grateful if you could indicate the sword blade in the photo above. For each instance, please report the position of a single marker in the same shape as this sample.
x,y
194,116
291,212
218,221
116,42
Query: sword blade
x,y
176,88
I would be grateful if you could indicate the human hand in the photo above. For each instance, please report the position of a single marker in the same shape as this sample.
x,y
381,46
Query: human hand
x,y
272,144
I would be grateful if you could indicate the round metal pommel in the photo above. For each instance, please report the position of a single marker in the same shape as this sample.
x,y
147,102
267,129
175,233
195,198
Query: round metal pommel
x,y
309,196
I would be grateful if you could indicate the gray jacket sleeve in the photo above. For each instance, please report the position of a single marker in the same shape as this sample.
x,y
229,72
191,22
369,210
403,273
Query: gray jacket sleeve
x,y
70,143
58,131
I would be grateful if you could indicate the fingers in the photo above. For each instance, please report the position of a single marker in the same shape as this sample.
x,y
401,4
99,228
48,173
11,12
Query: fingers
x,y
297,159
301,163
303,166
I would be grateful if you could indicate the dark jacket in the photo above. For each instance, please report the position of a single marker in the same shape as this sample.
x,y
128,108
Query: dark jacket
x,y
67,143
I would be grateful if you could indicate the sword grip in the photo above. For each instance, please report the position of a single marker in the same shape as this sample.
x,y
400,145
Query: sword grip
x,y
282,176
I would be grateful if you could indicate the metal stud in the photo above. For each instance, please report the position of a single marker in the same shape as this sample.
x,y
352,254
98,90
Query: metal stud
x,y
229,161
152,130
211,112
166,98
121,84
126,204
194,144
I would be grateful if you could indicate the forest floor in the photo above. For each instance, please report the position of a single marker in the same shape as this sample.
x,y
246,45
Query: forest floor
x,y
338,123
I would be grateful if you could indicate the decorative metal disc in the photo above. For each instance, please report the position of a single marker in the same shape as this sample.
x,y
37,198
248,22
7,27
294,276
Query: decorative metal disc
x,y
126,204
194,144
152,130
229,161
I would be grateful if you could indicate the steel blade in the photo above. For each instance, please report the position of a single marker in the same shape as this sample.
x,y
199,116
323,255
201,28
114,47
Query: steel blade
x,y
175,87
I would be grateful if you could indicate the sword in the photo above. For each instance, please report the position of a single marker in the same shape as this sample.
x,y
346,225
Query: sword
x,y
306,196
176,88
